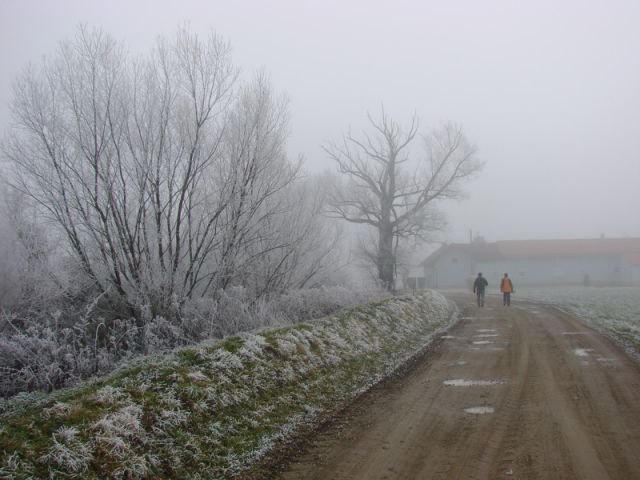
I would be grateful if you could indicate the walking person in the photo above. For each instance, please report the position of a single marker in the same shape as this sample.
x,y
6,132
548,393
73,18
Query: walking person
x,y
479,285
506,287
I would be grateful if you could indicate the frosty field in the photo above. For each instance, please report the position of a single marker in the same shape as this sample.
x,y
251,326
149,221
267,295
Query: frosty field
x,y
613,310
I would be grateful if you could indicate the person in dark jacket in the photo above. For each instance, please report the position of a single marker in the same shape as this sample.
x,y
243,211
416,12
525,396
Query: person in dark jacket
x,y
479,285
506,287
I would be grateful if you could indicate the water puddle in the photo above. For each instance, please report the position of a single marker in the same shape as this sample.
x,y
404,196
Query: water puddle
x,y
482,342
479,410
582,352
461,382
487,335
605,360
448,337
486,330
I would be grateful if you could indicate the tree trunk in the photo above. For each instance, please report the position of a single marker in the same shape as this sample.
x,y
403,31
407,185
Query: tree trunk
x,y
385,256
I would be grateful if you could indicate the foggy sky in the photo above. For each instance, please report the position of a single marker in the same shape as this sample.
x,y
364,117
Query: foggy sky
x,y
549,91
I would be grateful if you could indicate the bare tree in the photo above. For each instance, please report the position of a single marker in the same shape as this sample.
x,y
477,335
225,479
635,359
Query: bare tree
x,y
300,247
157,171
391,191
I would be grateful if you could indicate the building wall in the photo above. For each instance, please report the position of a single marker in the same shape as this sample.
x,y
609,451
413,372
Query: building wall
x,y
455,270
452,269
560,271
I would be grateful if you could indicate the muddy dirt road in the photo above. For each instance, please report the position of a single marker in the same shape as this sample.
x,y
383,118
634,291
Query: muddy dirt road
x,y
520,392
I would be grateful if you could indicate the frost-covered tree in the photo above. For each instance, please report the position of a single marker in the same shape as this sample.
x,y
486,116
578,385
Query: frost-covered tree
x,y
156,170
392,191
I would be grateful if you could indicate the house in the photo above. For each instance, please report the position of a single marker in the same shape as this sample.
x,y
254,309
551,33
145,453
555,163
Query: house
x,y
602,261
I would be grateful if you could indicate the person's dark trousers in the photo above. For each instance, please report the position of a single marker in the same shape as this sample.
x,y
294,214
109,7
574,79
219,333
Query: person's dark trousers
x,y
506,298
481,299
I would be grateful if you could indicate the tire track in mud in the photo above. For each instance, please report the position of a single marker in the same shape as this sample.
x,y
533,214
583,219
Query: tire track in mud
x,y
565,400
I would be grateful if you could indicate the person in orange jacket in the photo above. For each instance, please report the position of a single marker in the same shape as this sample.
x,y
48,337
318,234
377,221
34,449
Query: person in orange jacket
x,y
506,287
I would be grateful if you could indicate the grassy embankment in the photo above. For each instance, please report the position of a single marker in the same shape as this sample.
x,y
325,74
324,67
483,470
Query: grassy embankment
x,y
211,410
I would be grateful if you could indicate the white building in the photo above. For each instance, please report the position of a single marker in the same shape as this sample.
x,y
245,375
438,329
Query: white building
x,y
610,261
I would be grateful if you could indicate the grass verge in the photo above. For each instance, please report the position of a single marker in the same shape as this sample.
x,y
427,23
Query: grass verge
x,y
213,410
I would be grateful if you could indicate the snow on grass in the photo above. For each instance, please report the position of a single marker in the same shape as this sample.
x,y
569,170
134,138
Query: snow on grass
x,y
212,410
612,310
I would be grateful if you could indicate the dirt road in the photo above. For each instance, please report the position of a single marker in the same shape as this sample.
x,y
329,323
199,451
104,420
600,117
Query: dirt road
x,y
520,392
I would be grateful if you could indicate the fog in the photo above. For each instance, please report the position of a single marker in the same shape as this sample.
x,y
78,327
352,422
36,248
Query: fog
x,y
548,91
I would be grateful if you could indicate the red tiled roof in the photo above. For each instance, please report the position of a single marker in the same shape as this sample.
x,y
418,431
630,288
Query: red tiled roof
x,y
566,248
481,251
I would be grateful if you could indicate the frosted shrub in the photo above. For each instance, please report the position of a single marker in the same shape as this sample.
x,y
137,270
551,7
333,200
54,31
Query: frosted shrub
x,y
38,358
199,318
301,305
234,314
38,354
161,335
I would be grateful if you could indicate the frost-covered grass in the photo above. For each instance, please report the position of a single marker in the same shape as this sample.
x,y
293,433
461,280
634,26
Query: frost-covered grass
x,y
211,410
613,310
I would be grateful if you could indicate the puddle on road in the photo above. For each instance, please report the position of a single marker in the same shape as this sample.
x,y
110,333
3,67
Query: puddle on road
x,y
486,330
606,361
582,352
458,364
461,382
482,342
487,335
448,337
479,410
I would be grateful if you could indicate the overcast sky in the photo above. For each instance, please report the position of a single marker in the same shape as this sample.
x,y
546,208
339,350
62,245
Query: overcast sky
x,y
549,91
